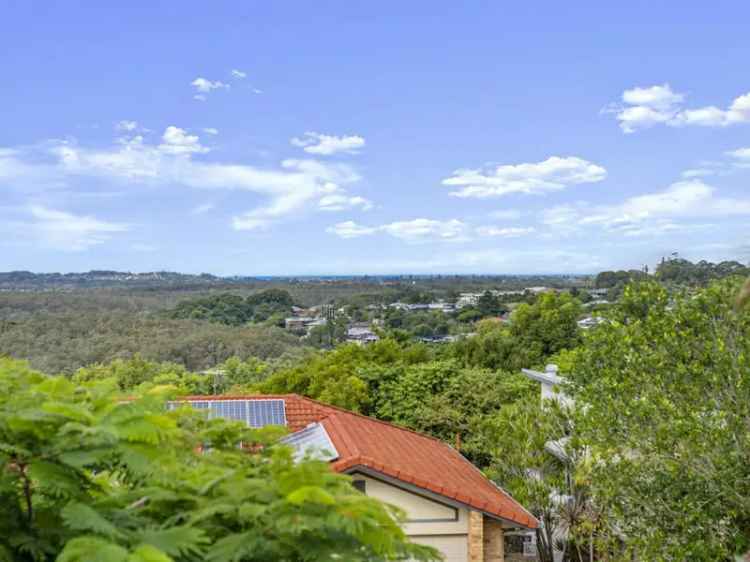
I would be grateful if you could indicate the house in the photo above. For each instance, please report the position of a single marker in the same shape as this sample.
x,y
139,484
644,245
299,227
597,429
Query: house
x,y
449,504
590,322
303,324
361,334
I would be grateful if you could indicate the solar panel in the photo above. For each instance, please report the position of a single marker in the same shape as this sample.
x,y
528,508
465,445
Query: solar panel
x,y
313,442
230,409
255,413
266,412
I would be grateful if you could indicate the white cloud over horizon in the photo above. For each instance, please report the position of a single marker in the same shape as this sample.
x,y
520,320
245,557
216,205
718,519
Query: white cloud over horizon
x,y
554,174
650,213
293,186
68,232
415,230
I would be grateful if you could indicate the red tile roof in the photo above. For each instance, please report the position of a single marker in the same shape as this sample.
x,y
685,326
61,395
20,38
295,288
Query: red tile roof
x,y
398,453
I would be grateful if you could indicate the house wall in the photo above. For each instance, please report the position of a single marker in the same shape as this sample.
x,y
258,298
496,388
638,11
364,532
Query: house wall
x,y
460,534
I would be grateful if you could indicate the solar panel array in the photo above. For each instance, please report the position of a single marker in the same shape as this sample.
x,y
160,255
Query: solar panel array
x,y
313,442
255,413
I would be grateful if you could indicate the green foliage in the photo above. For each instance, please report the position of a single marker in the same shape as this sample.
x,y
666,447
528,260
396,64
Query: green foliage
x,y
666,389
234,310
418,323
612,279
535,332
67,341
550,323
490,305
442,399
137,373
85,476
336,377
684,272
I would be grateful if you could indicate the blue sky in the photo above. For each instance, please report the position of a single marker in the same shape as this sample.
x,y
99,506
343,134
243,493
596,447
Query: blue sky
x,y
383,137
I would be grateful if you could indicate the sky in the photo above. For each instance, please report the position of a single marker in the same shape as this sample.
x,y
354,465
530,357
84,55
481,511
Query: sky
x,y
304,138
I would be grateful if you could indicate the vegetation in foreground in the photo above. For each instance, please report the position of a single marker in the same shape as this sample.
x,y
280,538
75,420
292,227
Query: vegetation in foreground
x,y
86,477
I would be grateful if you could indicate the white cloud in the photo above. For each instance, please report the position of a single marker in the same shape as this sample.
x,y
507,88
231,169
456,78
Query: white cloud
x,y
350,229
504,232
205,86
67,232
741,157
656,97
178,141
238,74
554,174
294,186
645,107
650,213
416,230
741,153
126,126
698,173
211,131
325,145
200,97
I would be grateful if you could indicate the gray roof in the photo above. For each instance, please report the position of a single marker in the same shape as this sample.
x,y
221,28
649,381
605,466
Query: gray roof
x,y
547,377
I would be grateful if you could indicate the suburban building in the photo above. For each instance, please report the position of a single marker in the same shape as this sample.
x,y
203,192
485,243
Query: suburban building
x,y
449,504
361,334
303,324
590,322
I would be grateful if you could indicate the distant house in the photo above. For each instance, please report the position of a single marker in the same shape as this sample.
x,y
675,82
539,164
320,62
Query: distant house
x,y
590,322
449,504
438,339
303,324
361,334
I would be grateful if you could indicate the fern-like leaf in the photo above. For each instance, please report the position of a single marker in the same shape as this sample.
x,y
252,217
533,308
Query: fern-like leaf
x,y
81,517
176,541
92,549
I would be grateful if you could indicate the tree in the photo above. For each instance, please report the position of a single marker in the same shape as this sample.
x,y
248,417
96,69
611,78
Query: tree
x,y
445,400
535,456
551,322
665,387
87,476
490,305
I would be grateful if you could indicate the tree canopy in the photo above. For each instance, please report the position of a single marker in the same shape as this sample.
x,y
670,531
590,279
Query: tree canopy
x,y
664,390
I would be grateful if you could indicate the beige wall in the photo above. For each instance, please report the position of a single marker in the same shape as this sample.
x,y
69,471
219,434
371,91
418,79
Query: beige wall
x,y
447,528
424,516
460,534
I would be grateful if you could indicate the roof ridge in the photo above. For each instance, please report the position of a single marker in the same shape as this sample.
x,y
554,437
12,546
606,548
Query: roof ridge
x,y
376,420
317,403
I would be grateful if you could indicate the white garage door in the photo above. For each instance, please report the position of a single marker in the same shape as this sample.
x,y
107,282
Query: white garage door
x,y
453,547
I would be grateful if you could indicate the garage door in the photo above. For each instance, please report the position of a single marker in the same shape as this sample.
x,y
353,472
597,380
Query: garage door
x,y
453,547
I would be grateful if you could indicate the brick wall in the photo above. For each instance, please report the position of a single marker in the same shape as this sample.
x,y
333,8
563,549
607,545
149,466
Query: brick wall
x,y
494,541
476,536
486,540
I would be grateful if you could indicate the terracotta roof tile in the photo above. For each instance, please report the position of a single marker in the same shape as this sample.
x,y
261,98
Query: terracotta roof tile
x,y
399,453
